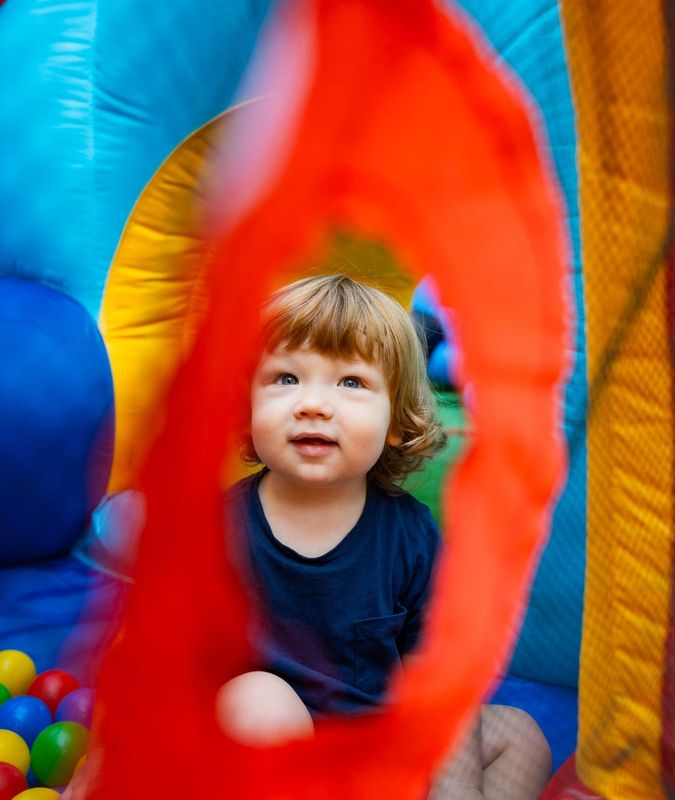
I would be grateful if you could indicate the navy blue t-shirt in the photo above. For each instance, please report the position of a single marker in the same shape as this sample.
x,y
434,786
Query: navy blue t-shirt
x,y
336,625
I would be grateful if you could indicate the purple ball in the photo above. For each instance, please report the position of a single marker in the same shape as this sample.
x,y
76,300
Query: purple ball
x,y
77,706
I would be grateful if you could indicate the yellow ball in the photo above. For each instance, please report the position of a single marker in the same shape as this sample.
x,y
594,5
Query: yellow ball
x,y
17,671
37,794
13,750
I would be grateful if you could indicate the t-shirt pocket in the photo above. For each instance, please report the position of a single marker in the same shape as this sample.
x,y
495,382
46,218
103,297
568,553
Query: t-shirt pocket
x,y
376,651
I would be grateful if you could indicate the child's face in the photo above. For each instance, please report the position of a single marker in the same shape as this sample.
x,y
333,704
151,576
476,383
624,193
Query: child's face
x,y
319,421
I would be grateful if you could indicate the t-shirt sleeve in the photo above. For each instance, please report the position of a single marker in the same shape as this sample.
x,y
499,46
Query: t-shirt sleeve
x,y
421,578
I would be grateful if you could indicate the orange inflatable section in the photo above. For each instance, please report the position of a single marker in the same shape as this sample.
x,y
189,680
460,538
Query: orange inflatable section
x,y
401,133
619,54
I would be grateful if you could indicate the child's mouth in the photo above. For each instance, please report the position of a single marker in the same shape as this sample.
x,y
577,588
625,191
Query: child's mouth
x,y
313,445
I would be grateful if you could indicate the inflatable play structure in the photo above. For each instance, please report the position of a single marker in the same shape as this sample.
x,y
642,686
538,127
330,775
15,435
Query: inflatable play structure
x,y
114,233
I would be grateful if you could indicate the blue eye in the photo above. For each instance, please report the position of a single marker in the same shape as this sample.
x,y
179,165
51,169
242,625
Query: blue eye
x,y
350,382
286,379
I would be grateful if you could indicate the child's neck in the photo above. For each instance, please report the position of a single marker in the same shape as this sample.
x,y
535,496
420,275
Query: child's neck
x,y
311,520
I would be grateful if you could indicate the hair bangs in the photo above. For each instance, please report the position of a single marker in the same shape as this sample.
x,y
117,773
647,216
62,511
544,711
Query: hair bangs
x,y
334,319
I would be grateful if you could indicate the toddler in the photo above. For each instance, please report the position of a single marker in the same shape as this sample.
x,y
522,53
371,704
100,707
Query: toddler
x,y
340,558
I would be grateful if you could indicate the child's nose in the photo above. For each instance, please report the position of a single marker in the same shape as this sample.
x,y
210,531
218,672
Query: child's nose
x,y
313,404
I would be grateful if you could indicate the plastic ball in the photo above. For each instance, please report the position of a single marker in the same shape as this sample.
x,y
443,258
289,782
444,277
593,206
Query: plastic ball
x,y
52,686
39,793
78,706
5,694
26,716
17,671
12,781
57,750
13,750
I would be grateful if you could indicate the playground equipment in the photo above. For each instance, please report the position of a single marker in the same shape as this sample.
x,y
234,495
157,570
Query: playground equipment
x,y
96,130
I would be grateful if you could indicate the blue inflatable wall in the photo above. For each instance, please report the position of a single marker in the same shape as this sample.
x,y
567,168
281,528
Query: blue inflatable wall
x,y
97,94
527,34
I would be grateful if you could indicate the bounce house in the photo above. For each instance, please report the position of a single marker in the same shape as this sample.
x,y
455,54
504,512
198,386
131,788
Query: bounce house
x,y
167,170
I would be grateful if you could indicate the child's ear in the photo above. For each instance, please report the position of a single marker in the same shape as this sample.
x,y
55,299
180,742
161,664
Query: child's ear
x,y
394,438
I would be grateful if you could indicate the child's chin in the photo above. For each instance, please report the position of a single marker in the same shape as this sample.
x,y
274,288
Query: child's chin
x,y
317,480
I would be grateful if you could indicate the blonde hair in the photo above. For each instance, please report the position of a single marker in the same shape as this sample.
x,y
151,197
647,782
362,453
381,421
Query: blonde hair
x,y
340,317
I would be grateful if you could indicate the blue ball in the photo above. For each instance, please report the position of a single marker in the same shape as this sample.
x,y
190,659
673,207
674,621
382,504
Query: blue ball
x,y
56,420
27,716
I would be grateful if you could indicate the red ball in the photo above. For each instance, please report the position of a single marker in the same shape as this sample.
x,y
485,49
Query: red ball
x,y
52,686
12,781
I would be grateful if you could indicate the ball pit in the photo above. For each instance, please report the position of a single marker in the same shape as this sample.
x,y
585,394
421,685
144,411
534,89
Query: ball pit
x,y
43,728
39,793
12,781
17,671
77,706
52,686
26,716
13,750
56,752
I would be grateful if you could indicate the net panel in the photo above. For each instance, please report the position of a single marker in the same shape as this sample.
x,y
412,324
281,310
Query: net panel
x,y
618,58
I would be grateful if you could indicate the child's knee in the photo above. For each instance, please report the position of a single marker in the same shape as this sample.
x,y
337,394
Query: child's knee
x,y
259,708
530,735
514,729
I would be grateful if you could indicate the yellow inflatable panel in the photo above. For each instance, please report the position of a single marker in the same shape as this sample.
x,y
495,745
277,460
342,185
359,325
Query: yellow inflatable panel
x,y
618,65
154,296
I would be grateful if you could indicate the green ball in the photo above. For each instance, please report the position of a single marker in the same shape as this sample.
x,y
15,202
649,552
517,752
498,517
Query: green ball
x,y
57,750
5,694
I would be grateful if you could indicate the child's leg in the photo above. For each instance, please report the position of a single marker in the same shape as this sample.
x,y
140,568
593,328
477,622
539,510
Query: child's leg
x,y
516,755
259,708
256,708
461,778
505,757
